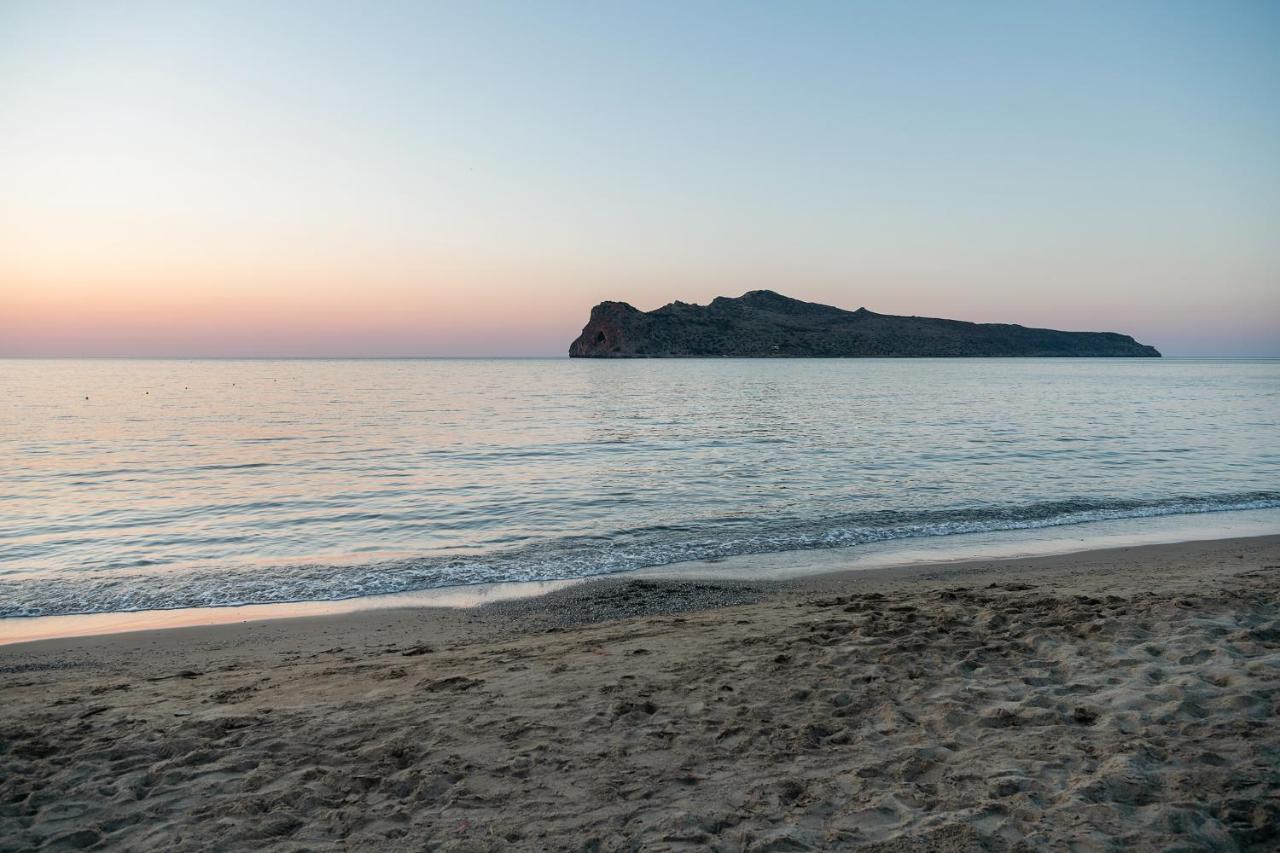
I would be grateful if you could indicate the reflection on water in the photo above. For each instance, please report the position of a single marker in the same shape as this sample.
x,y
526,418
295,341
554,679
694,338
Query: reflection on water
x,y
132,484
91,624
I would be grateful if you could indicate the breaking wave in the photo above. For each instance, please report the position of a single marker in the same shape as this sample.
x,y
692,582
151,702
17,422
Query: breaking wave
x,y
566,558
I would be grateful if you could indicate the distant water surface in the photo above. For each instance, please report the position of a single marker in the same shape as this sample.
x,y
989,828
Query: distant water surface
x,y
156,484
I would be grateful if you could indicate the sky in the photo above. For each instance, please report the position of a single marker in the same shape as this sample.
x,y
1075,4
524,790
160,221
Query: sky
x,y
469,178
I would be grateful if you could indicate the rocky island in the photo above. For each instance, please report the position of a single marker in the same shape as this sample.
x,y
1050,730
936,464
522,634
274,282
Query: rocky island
x,y
763,324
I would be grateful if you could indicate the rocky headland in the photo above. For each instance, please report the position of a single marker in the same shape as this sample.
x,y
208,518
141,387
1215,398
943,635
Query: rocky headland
x,y
764,324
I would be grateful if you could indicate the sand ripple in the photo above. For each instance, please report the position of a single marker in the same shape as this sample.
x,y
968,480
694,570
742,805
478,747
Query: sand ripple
x,y
953,716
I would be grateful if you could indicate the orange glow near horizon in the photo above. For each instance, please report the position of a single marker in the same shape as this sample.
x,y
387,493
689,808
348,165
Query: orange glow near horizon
x,y
448,314
459,179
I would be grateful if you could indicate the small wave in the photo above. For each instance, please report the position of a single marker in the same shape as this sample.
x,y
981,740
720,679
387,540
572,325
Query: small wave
x,y
230,466
575,557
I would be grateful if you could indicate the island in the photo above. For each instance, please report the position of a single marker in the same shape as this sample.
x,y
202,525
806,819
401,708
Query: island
x,y
765,324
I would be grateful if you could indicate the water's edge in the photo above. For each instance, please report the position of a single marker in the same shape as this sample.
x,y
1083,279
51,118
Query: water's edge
x,y
570,558
888,554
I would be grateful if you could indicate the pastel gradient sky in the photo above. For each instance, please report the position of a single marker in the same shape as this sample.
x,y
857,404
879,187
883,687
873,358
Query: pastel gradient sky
x,y
315,178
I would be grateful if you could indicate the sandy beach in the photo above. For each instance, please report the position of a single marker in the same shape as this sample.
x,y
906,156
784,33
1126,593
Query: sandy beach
x,y
1106,700
578,427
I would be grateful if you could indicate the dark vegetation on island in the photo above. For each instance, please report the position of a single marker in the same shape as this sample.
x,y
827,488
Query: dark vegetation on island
x,y
764,324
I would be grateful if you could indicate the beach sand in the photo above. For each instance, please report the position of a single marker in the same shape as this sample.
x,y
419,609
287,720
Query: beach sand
x,y
1119,699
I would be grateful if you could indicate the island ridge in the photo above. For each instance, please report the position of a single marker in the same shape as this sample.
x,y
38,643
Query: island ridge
x,y
764,324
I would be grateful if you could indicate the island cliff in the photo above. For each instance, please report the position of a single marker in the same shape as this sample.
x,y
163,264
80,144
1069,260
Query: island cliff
x,y
762,324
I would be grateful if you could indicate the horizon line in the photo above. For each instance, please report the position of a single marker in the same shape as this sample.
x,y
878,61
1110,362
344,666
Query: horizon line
x,y
567,357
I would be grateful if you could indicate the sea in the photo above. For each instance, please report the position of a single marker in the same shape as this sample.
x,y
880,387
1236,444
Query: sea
x,y
133,485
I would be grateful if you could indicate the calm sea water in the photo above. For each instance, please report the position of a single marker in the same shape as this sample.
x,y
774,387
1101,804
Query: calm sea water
x,y
155,484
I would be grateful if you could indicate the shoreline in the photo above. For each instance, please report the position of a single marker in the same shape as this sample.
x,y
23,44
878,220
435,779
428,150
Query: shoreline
x,y
899,554
1125,693
556,603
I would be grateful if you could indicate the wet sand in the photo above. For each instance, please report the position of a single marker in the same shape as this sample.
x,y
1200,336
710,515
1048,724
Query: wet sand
x,y
1118,699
